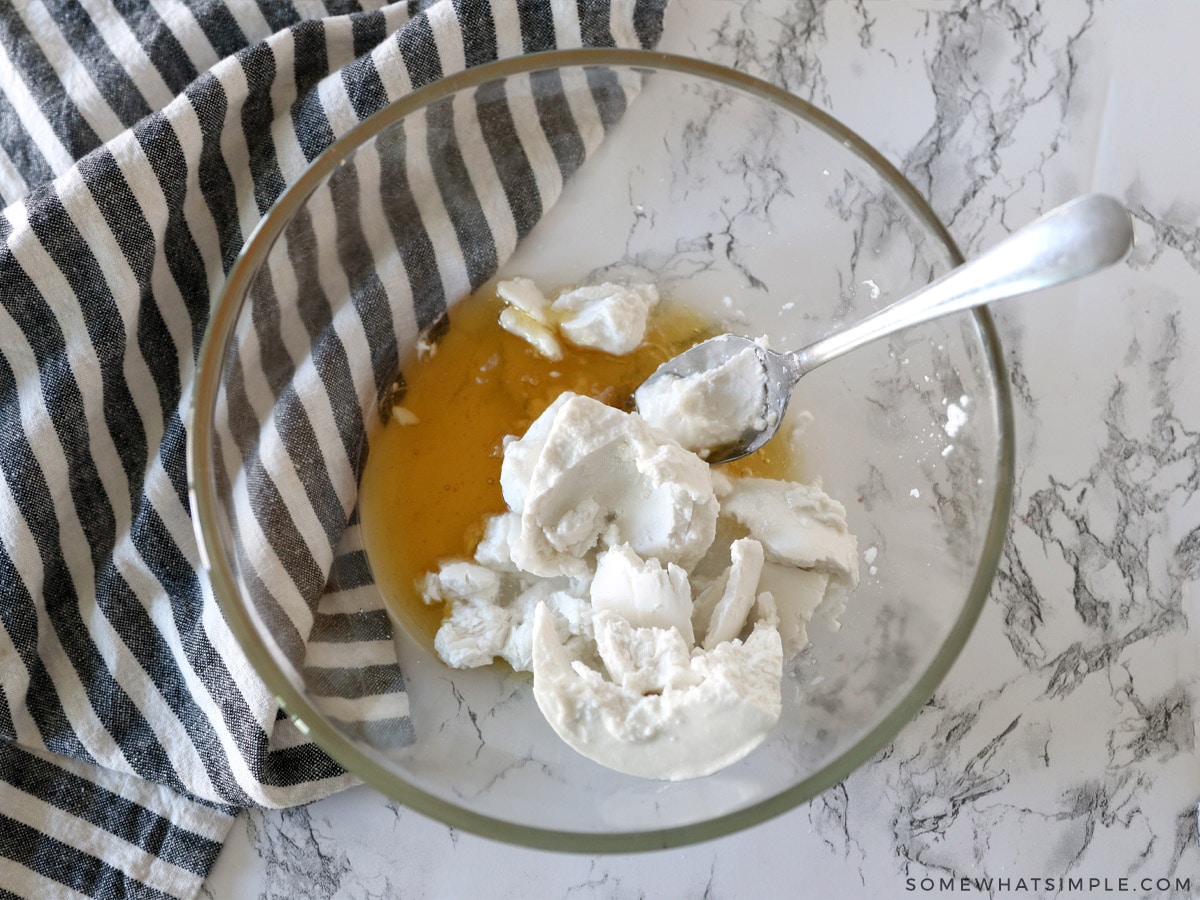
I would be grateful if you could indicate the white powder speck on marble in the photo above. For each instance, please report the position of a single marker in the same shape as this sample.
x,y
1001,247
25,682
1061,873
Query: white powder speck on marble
x,y
956,418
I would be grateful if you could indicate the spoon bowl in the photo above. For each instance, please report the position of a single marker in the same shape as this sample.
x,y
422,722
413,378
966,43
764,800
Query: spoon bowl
x,y
1075,239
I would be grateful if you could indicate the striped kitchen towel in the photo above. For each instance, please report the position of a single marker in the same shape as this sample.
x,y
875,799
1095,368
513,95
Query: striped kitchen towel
x,y
139,143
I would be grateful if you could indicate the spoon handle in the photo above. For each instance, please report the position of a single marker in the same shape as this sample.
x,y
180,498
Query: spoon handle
x,y
1068,242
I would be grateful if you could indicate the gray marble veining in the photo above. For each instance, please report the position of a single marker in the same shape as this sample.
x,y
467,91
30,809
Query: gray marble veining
x,y
1063,741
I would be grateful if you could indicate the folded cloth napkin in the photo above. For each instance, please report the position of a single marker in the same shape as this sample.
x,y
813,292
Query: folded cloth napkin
x,y
139,144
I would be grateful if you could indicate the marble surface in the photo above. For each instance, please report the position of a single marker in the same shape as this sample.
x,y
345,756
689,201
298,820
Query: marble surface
x,y
1063,742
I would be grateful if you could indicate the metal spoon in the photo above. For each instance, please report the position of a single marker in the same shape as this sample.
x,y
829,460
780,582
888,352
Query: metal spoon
x,y
1072,240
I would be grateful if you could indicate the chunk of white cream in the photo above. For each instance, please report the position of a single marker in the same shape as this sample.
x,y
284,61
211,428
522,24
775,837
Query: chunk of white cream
x,y
524,294
798,524
643,592
585,470
608,317
690,716
798,594
533,332
710,408
723,606
402,415
491,615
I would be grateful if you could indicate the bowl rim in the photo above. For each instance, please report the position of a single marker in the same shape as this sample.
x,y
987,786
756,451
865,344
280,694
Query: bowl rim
x,y
365,762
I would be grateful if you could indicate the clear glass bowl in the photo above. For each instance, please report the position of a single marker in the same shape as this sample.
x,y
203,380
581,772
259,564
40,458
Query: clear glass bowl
x,y
732,195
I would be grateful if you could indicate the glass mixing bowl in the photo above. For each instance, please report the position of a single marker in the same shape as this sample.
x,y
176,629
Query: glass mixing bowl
x,y
733,196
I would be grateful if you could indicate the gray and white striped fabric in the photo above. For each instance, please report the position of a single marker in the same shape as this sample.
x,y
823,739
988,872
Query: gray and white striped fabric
x,y
139,143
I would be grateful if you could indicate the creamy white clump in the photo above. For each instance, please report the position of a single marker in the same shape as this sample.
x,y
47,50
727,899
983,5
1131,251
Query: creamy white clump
x,y
643,592
527,315
586,475
656,649
666,710
608,317
587,581
710,408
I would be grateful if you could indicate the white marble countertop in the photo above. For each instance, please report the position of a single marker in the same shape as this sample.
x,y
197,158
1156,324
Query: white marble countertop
x,y
1063,742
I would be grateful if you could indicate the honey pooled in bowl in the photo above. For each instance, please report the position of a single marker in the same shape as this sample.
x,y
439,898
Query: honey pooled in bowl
x,y
433,473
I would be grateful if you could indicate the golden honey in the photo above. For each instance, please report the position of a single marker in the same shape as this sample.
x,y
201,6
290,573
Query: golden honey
x,y
428,486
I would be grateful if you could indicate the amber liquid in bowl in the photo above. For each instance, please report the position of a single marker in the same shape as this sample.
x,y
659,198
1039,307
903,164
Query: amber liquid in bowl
x,y
427,487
